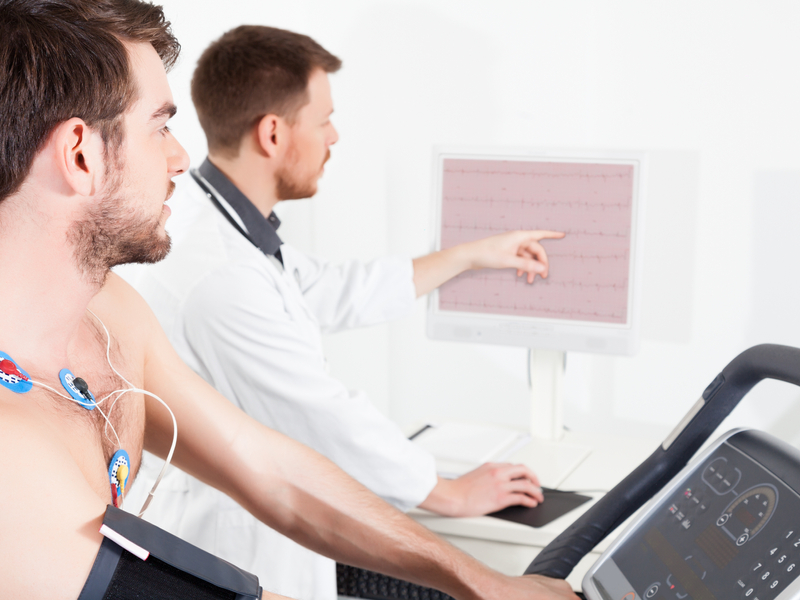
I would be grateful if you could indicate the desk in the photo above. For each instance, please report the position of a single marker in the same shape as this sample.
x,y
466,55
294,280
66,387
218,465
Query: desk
x,y
510,547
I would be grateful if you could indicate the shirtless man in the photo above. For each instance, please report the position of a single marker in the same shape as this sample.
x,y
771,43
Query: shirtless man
x,y
86,163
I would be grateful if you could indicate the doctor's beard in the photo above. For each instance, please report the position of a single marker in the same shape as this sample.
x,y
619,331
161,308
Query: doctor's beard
x,y
288,186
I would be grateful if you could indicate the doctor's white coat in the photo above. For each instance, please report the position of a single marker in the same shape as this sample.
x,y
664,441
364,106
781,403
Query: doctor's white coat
x,y
252,329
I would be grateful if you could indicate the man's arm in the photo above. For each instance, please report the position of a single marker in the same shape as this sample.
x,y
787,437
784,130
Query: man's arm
x,y
518,250
300,493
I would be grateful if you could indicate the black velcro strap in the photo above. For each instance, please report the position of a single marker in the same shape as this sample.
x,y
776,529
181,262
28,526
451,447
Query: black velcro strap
x,y
103,569
174,569
180,554
135,579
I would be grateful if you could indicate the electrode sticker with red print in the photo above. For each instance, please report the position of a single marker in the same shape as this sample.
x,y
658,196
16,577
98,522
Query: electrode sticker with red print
x,y
12,376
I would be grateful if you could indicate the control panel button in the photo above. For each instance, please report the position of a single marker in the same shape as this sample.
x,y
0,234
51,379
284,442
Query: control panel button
x,y
791,567
721,476
723,518
742,539
774,584
652,590
756,567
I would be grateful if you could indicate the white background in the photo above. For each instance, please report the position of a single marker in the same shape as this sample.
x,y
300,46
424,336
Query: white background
x,y
710,89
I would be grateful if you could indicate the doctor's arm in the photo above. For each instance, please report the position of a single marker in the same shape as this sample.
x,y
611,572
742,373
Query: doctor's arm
x,y
303,495
518,250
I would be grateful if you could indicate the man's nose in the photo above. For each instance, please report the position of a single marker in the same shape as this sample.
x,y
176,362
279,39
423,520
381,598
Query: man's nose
x,y
334,137
178,159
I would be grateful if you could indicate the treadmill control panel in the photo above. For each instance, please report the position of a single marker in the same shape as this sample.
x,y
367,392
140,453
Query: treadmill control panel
x,y
728,529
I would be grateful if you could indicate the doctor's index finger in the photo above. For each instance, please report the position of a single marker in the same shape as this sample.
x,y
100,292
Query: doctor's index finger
x,y
545,234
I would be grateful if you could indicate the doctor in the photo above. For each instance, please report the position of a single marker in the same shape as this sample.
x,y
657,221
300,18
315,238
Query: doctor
x,y
246,311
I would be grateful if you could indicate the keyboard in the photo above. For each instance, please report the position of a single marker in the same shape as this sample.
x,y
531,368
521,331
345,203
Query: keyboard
x,y
360,583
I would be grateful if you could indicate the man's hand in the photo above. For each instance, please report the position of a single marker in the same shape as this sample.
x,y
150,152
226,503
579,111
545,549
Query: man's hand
x,y
518,250
490,487
537,587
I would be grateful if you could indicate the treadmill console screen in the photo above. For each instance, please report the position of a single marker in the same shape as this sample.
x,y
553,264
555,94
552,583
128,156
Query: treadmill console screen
x,y
729,530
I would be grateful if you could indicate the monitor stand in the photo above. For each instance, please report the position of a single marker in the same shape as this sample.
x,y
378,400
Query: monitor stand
x,y
551,458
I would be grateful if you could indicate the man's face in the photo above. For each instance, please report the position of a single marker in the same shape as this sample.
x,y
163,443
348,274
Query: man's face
x,y
308,146
127,222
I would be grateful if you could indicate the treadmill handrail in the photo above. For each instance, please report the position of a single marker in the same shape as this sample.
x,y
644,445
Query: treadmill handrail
x,y
766,361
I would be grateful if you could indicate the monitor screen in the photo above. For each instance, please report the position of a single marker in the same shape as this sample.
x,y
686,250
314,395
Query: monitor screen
x,y
589,302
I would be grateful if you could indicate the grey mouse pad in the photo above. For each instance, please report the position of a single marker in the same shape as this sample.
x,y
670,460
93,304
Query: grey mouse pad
x,y
556,503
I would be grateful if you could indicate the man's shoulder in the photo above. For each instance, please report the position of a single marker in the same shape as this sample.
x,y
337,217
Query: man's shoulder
x,y
124,312
118,297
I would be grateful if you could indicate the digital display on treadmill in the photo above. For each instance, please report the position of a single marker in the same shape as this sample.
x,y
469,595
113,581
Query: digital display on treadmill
x,y
732,530
745,516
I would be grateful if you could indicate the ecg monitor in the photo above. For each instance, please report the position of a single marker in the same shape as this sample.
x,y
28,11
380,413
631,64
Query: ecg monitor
x,y
590,300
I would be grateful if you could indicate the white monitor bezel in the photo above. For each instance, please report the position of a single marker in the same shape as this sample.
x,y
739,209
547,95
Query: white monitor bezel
x,y
537,332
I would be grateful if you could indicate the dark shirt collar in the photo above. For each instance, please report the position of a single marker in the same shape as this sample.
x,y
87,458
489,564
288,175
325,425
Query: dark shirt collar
x,y
262,231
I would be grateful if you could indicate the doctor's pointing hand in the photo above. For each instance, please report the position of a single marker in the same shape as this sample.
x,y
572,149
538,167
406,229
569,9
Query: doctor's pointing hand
x,y
518,250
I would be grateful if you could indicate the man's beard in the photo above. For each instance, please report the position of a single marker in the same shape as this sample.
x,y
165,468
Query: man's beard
x,y
287,185
110,235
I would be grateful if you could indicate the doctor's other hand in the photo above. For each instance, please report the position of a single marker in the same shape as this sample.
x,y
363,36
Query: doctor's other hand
x,y
490,487
518,250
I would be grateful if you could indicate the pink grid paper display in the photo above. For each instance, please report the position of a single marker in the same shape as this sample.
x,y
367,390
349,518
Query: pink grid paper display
x,y
591,202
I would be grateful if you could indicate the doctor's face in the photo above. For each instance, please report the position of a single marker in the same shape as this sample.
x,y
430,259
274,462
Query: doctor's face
x,y
309,142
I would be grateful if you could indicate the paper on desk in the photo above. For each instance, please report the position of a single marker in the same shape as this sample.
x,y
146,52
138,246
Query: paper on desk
x,y
461,447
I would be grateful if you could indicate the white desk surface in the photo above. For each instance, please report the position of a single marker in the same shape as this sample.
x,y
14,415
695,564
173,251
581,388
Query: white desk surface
x,y
589,464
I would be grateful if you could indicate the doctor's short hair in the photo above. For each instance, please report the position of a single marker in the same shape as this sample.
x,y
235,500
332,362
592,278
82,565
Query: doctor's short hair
x,y
61,59
250,72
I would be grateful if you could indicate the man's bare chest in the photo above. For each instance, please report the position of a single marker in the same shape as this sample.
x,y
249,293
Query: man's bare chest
x,y
100,424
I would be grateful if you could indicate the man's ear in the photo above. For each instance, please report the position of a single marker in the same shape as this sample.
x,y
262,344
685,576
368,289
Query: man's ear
x,y
80,156
270,135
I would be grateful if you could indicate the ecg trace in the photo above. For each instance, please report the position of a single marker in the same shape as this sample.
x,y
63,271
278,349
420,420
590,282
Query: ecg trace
x,y
591,203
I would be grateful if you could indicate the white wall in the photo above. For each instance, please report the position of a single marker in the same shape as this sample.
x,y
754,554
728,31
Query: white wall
x,y
709,88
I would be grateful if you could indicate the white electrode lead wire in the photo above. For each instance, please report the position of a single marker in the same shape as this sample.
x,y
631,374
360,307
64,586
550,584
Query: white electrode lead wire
x,y
145,392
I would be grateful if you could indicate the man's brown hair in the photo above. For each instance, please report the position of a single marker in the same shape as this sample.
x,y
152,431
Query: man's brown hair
x,y
250,72
61,59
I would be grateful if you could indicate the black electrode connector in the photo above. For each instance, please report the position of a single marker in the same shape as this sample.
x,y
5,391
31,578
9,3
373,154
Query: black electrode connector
x,y
82,387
